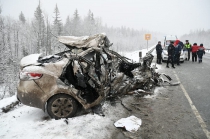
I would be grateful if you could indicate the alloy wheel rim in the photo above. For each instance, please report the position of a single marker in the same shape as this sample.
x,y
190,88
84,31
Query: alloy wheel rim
x,y
62,107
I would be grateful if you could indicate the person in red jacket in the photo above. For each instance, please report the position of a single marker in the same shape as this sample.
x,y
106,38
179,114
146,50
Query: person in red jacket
x,y
194,52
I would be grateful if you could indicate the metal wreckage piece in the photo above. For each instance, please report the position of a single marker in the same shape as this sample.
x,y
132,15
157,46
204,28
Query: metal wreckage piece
x,y
101,73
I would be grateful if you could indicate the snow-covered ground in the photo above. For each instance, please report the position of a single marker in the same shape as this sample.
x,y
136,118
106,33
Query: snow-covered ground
x,y
24,122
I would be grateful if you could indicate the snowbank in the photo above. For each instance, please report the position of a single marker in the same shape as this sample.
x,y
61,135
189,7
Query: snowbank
x,y
26,122
135,55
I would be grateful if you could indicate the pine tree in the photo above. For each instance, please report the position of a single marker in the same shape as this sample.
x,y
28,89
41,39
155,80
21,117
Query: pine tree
x,y
48,37
68,26
39,28
76,24
22,18
57,22
89,24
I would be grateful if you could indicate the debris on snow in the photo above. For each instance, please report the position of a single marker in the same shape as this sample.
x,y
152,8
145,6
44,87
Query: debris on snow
x,y
131,123
7,101
9,107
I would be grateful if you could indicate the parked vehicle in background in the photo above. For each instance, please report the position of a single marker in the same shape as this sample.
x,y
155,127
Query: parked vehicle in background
x,y
167,40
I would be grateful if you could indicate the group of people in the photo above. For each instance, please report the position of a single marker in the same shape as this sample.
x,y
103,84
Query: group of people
x,y
197,51
174,51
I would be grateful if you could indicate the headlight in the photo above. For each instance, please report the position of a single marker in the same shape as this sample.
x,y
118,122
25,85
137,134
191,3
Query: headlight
x,y
182,53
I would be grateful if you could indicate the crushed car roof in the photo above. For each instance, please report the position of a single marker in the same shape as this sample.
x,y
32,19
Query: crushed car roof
x,y
84,41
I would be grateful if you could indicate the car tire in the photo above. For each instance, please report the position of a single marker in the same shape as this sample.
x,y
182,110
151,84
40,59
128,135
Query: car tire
x,y
62,106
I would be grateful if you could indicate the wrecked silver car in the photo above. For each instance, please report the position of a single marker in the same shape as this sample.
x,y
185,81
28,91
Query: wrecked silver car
x,y
85,75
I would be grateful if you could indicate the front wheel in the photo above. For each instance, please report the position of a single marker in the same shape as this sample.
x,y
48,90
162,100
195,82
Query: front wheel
x,y
62,106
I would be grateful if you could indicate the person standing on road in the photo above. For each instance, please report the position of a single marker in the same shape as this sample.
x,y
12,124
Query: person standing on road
x,y
159,51
171,50
200,52
194,52
187,47
178,47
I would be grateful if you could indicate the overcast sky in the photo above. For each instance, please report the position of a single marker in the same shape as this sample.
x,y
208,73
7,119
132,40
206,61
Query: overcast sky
x,y
173,17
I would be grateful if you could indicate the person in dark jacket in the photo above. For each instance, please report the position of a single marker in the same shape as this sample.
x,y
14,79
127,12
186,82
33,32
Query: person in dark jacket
x,y
159,51
194,52
200,52
171,50
178,49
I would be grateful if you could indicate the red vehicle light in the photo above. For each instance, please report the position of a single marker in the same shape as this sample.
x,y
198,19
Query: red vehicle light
x,y
35,75
29,76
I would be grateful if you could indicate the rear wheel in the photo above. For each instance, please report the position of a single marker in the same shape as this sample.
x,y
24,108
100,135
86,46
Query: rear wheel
x,y
62,106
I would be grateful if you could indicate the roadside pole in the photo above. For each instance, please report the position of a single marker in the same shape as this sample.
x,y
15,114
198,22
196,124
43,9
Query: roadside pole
x,y
140,56
146,37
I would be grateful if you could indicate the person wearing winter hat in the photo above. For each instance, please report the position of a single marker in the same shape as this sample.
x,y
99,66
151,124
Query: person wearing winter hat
x,y
178,47
200,52
194,52
176,42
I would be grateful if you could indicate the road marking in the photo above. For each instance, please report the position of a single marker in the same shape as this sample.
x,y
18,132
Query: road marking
x,y
194,109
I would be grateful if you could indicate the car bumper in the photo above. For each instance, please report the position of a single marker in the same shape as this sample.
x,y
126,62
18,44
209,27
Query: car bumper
x,y
30,96
181,58
165,58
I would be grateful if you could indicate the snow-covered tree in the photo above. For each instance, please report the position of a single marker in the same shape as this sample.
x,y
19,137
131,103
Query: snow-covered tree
x,y
2,47
68,26
57,24
76,24
89,24
198,36
39,28
8,57
48,37
22,18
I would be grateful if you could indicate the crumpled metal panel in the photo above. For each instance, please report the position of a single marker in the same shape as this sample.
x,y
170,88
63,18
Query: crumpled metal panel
x,y
84,41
